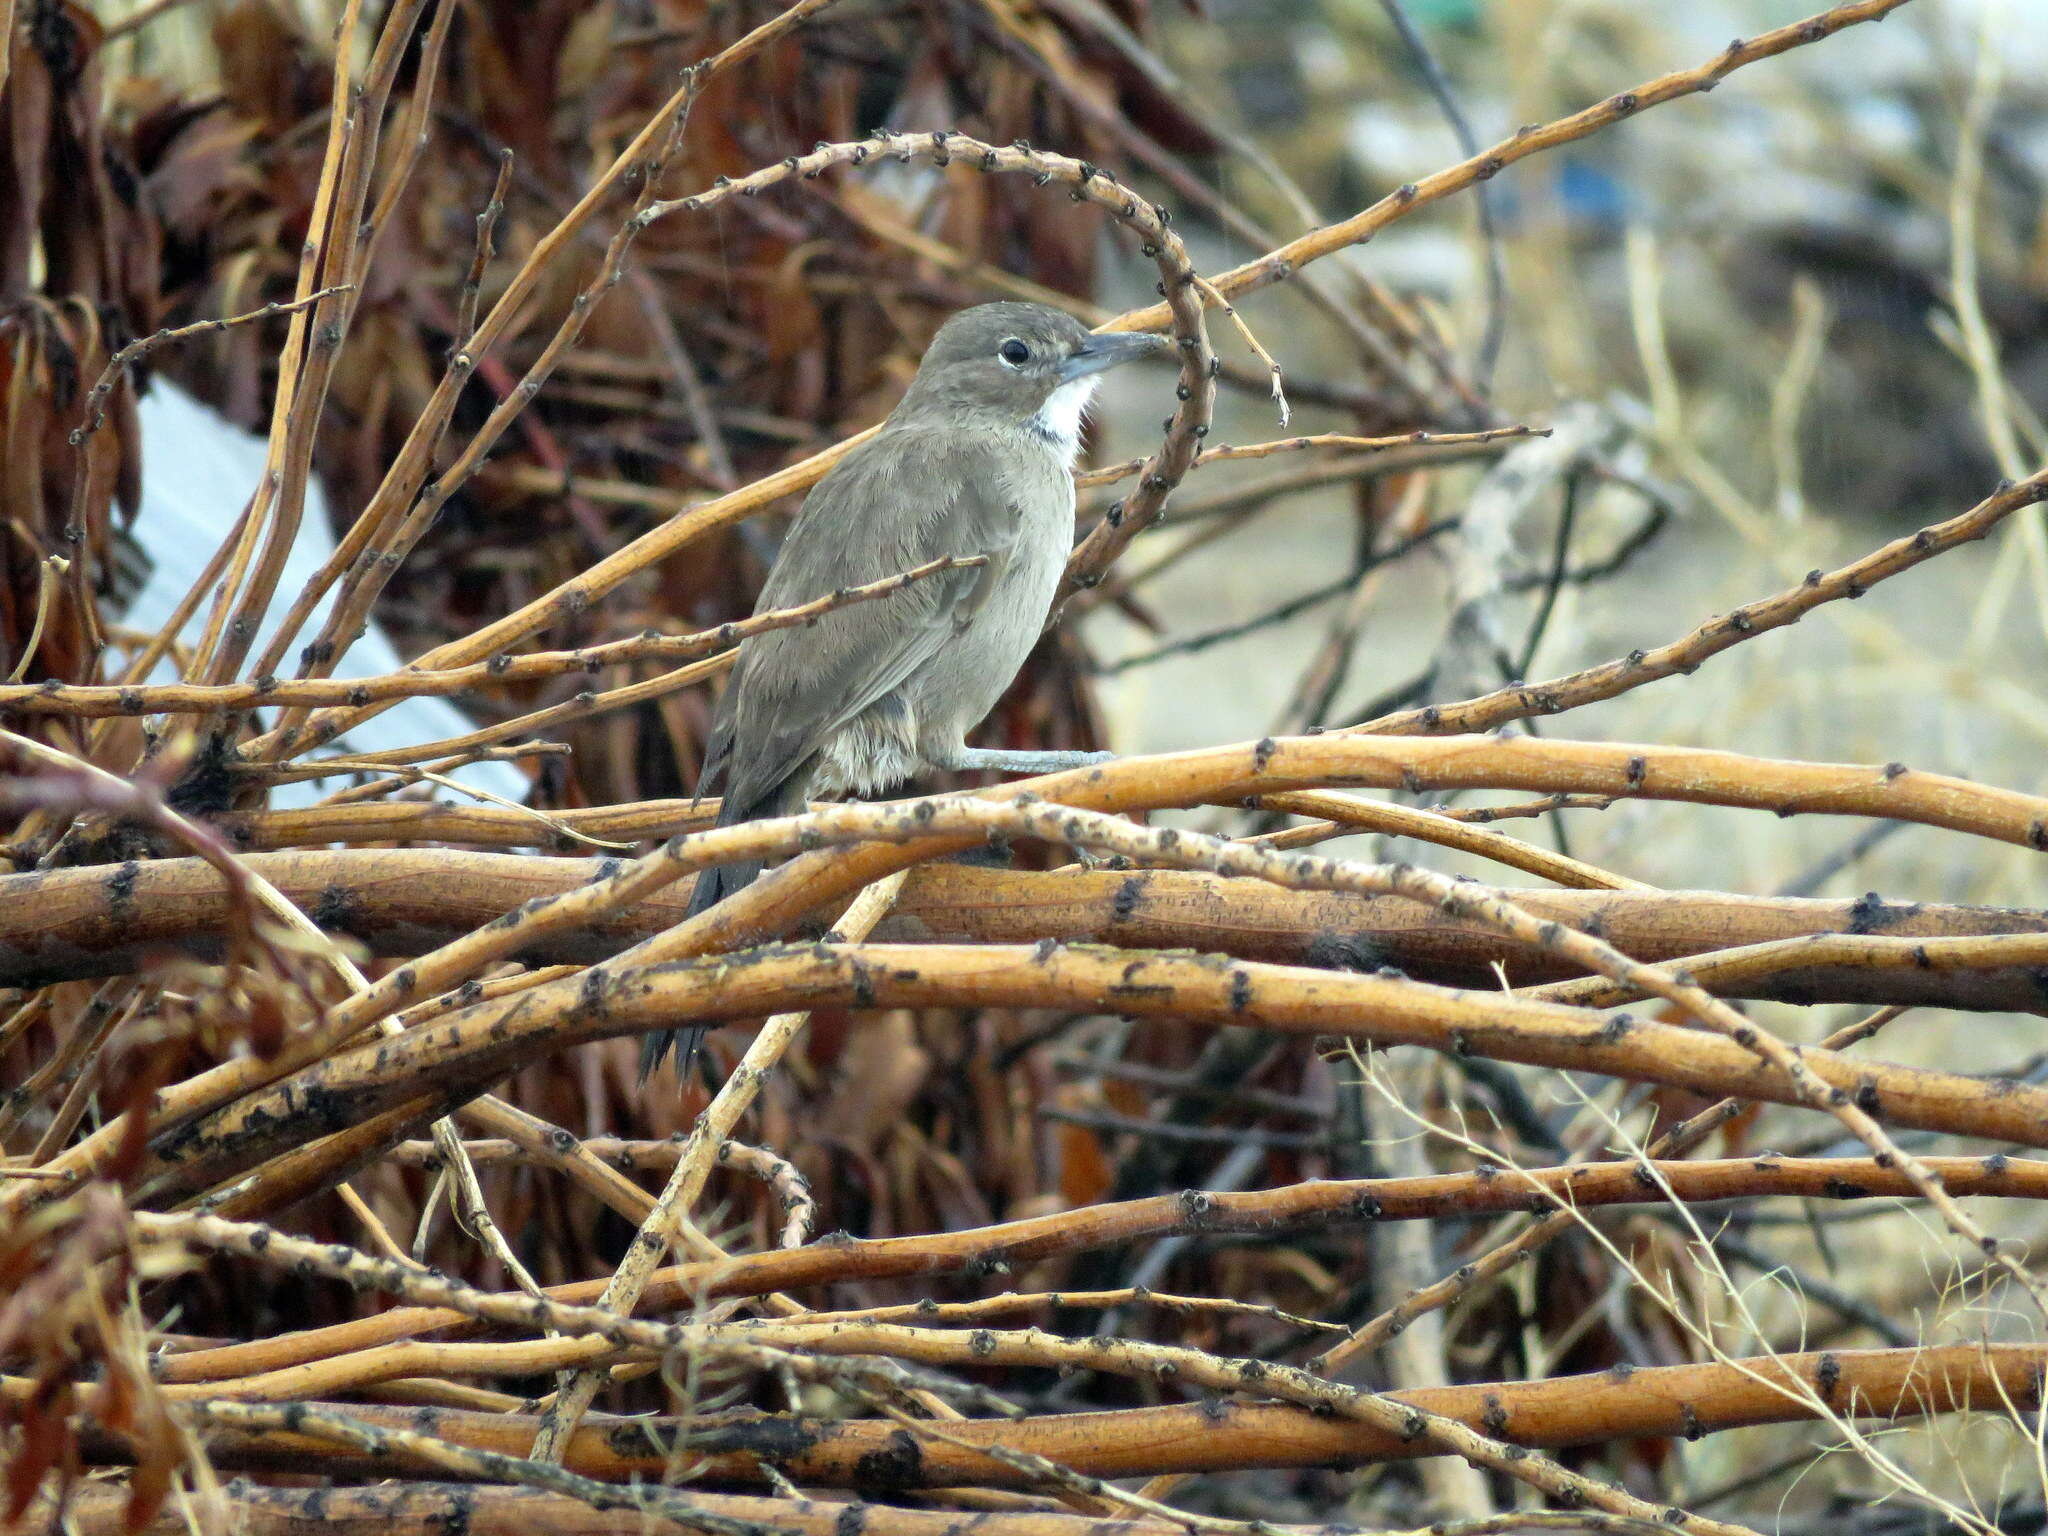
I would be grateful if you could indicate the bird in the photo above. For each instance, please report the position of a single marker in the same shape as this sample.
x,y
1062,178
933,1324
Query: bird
x,y
976,460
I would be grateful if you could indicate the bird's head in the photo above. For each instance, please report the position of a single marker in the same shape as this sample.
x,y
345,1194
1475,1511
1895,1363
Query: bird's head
x,y
1019,365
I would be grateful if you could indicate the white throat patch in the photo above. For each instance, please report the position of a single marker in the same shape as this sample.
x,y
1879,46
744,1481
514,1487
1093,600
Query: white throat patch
x,y
1059,420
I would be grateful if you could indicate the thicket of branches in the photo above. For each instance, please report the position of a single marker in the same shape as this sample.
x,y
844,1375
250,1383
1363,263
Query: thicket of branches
x,y
1063,1162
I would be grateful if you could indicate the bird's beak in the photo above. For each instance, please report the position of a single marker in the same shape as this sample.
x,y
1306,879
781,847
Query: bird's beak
x,y
1107,349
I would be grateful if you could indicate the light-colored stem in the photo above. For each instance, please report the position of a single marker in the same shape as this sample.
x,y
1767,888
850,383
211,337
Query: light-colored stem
x,y
700,1152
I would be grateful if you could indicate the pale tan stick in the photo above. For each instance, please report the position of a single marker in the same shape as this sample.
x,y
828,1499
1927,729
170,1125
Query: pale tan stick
x,y
700,1153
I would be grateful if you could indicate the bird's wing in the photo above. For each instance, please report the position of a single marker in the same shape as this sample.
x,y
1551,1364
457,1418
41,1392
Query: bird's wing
x,y
906,497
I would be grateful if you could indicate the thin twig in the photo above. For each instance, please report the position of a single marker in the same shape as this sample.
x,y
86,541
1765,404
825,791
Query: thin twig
x,y
50,578
94,416
486,248
1433,76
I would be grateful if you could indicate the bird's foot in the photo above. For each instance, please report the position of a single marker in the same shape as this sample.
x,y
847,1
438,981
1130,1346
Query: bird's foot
x,y
1002,760
1099,859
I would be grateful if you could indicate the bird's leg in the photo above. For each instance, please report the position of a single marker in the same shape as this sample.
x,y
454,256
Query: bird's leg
x,y
958,756
1005,761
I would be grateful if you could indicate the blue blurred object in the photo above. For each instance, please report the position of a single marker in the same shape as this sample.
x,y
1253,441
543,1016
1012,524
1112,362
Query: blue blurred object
x,y
1591,196
1590,201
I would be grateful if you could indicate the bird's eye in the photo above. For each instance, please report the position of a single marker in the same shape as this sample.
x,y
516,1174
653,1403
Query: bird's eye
x,y
1014,353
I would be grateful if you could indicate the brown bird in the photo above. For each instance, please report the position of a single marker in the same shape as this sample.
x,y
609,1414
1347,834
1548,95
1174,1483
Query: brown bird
x,y
976,460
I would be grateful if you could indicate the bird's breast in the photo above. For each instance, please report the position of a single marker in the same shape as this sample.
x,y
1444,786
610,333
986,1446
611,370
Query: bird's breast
x,y
971,674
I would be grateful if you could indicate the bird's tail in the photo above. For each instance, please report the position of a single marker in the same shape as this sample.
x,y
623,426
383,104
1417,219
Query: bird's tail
x,y
713,886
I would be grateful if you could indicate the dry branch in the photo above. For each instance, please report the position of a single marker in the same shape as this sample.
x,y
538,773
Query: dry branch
x,y
1221,775
409,821
399,903
418,1508
1169,973
1317,1205
1523,701
1110,474
421,1508
78,701
660,1229
465,1052
1558,1412
782,898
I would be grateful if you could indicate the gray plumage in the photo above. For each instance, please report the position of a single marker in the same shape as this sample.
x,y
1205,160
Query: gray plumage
x,y
975,460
